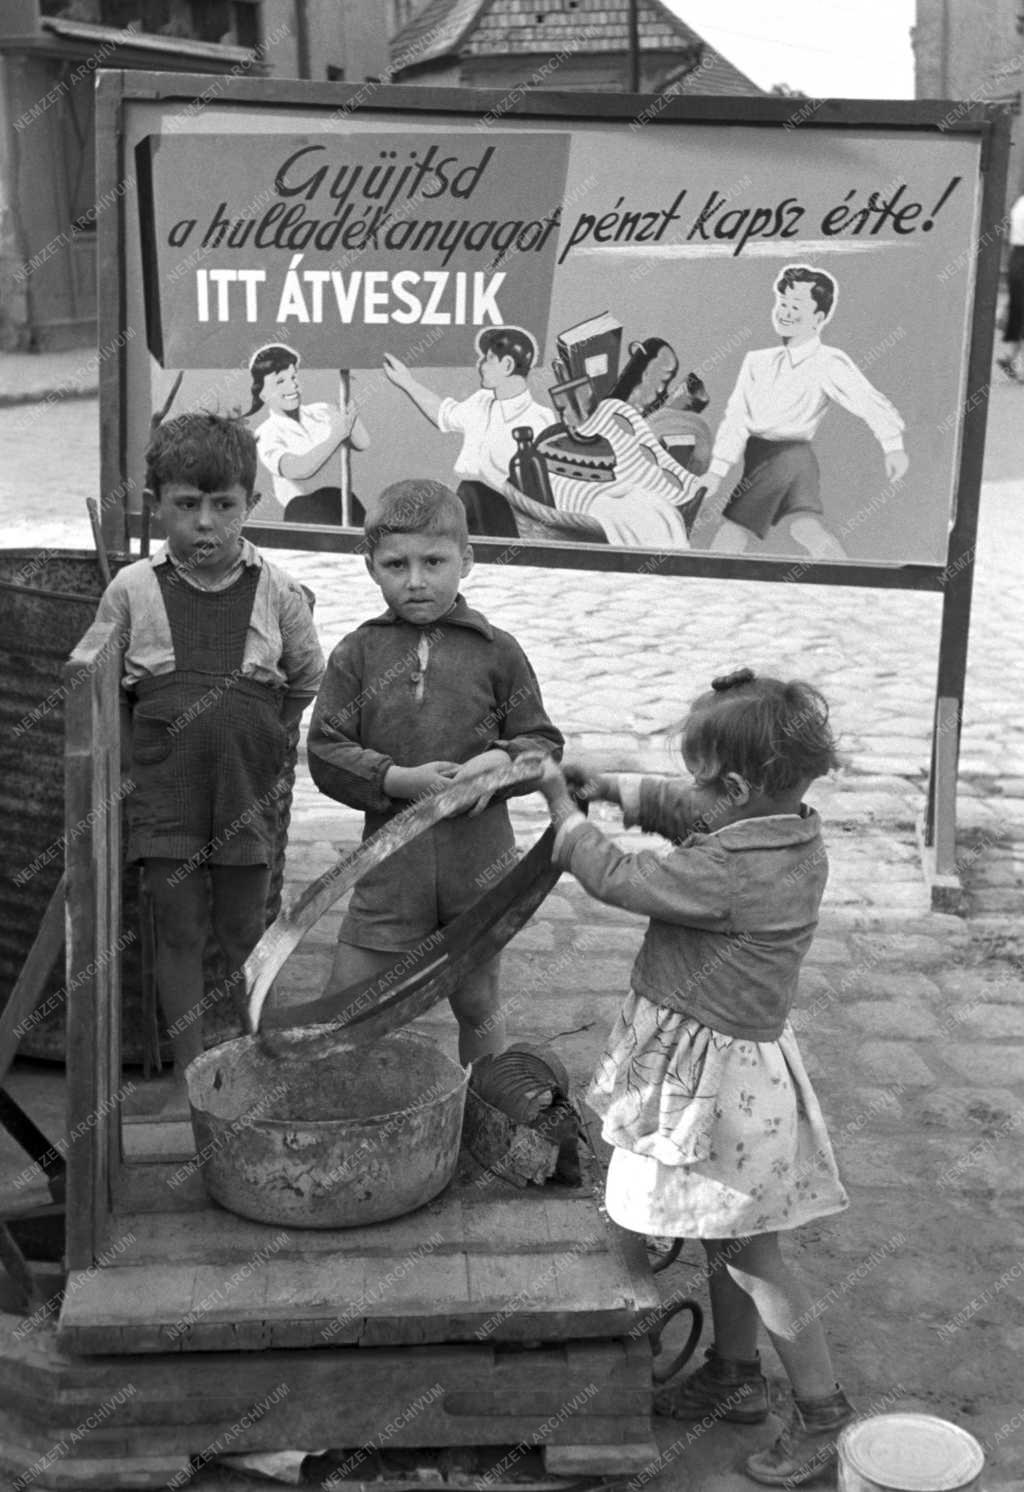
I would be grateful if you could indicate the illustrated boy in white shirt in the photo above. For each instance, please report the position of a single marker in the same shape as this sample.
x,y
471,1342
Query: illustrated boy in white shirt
x,y
773,413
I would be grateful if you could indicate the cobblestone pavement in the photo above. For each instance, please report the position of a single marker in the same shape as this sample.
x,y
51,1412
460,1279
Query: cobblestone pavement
x,y
911,1021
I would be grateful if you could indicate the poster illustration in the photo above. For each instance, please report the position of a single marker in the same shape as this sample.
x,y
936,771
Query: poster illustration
x,y
688,337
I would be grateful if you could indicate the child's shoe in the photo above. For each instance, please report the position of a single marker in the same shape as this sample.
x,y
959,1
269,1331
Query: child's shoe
x,y
807,1446
724,1387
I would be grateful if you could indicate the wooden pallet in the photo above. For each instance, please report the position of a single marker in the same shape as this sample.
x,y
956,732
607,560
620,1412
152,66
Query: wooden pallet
x,y
134,1421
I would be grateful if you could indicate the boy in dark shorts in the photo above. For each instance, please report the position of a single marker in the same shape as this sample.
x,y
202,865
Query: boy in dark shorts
x,y
424,694
220,658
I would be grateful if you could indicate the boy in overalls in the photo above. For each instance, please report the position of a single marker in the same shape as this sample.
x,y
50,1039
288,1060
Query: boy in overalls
x,y
220,658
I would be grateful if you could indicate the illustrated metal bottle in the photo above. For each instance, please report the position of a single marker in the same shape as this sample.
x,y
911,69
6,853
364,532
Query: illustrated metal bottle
x,y
528,470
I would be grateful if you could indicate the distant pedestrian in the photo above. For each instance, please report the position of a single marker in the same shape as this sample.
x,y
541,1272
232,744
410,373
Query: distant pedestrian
x,y
1013,328
717,1132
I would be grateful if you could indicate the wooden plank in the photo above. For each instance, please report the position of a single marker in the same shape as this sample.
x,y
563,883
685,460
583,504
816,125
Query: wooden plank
x,y
947,748
602,1460
107,849
518,1223
975,118
156,1139
31,981
163,1187
429,1299
115,459
877,576
134,1315
84,1202
430,1396
427,1304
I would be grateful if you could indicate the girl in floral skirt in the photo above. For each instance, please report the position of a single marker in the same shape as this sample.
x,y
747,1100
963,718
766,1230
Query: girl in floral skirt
x,y
716,1130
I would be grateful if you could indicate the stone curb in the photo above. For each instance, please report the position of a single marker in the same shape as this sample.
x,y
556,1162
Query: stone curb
x,y
11,398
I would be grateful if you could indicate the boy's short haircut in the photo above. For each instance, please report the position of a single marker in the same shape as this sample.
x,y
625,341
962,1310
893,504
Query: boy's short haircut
x,y
416,506
210,451
823,286
509,341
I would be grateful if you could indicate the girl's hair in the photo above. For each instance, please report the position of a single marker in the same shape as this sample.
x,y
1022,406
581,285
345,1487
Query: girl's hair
x,y
209,451
772,733
416,506
641,355
270,359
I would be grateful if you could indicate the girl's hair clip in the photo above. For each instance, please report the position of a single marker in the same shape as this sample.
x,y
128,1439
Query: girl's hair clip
x,y
732,680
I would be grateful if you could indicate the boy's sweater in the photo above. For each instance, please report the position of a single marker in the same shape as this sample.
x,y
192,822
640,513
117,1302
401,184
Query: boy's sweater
x,y
396,694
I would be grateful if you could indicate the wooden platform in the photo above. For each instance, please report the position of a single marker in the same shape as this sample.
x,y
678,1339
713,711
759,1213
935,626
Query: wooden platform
x,y
484,1262
491,1317
584,1405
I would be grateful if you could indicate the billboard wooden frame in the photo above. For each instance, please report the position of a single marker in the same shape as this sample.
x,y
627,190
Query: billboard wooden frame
x,y
987,124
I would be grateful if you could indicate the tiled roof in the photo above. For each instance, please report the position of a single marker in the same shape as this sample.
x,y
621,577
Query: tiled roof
x,y
451,28
435,32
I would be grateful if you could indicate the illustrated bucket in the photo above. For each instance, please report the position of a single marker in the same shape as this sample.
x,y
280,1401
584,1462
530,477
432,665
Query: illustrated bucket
x,y
909,1453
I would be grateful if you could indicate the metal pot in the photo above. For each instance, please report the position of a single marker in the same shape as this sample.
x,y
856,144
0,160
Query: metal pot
x,y
352,1137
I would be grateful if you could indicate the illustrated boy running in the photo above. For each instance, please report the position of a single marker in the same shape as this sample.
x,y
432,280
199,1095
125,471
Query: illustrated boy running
x,y
772,417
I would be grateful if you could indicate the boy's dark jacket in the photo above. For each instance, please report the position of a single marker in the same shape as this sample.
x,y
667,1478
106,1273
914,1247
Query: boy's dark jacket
x,y
395,694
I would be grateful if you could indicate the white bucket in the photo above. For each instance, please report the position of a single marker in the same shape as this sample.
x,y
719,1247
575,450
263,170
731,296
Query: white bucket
x,y
909,1453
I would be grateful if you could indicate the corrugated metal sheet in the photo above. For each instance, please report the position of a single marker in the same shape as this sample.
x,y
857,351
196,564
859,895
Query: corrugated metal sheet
x,y
47,601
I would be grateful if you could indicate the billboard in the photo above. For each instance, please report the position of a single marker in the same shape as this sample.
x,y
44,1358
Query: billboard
x,y
706,330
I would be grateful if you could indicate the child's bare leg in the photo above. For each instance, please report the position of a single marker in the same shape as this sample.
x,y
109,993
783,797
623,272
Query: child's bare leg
x,y
355,965
784,1304
182,921
476,1005
239,917
733,1312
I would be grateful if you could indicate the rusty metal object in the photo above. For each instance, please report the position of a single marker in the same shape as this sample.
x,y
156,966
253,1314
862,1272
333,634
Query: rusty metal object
x,y
305,910
516,1152
356,1136
520,1121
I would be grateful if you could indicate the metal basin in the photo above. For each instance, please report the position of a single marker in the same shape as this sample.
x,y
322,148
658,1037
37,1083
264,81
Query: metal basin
x,y
352,1137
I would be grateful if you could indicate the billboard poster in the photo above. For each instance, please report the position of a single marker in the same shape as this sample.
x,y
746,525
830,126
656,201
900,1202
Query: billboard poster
x,y
682,336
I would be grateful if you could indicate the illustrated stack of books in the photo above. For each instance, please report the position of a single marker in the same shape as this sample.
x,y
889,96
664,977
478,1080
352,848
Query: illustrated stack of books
x,y
591,350
587,368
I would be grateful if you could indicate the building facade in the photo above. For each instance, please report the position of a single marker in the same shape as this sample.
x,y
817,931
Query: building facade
x,y
974,50
50,52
